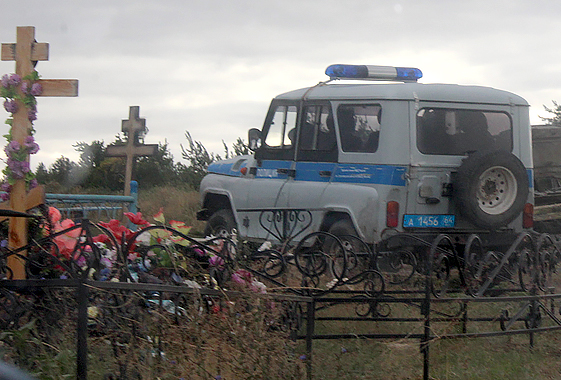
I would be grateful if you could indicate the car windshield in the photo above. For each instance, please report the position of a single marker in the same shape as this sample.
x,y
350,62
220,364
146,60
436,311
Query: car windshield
x,y
460,131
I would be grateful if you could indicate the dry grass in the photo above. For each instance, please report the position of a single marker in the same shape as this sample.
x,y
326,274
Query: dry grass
x,y
179,204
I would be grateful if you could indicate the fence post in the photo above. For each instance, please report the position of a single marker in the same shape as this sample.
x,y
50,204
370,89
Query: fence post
x,y
310,326
82,332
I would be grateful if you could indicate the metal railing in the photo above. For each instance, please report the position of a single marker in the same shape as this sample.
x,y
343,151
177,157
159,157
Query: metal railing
x,y
94,206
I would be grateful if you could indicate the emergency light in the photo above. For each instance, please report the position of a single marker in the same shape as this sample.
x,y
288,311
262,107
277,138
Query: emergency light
x,y
390,73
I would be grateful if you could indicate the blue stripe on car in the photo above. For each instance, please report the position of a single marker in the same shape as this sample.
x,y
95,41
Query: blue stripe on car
x,y
324,172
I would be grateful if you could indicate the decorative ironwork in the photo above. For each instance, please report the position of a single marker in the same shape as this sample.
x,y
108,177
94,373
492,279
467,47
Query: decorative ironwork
x,y
285,224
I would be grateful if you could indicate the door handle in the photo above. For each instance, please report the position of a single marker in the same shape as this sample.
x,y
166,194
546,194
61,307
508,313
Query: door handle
x,y
325,173
289,172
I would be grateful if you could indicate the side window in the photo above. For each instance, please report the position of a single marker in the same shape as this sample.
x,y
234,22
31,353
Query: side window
x,y
318,129
459,131
359,127
281,131
317,140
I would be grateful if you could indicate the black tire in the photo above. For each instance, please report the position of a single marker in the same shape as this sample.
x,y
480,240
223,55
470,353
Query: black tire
x,y
491,188
342,228
355,248
220,224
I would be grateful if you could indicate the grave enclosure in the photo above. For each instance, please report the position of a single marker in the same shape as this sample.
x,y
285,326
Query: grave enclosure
x,y
308,278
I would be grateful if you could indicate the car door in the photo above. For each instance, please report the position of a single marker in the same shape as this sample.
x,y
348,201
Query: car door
x,y
274,167
315,164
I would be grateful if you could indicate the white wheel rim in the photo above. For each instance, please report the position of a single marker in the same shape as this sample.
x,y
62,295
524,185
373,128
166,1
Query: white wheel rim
x,y
496,190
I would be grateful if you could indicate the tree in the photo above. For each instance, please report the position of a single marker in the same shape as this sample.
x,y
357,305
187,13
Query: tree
x,y
157,169
556,111
63,172
91,155
199,159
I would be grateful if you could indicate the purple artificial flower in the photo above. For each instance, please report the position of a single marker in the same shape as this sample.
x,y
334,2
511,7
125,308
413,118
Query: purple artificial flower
x,y
199,252
36,89
242,277
32,115
25,167
6,187
11,106
18,168
4,243
31,145
238,279
14,80
4,197
25,87
216,261
33,183
12,147
5,81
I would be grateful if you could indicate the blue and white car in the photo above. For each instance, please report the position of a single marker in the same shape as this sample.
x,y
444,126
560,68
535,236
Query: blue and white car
x,y
377,156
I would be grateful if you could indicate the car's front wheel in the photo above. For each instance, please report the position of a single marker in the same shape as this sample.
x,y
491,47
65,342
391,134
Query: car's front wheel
x,y
221,224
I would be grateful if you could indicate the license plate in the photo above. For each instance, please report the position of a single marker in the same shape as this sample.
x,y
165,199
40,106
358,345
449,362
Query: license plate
x,y
429,221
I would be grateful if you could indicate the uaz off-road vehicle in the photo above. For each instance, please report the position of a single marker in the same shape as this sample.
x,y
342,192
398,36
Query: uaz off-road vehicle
x,y
376,160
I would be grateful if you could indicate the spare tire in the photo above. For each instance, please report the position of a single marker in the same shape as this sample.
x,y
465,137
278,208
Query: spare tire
x,y
491,188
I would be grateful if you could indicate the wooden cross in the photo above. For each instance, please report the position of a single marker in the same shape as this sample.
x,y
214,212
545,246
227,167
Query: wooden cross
x,y
134,127
26,52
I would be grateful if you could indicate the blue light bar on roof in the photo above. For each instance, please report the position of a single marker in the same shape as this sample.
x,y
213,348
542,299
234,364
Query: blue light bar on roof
x,y
402,74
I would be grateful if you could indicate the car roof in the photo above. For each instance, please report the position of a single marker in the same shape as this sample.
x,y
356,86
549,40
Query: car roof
x,y
406,91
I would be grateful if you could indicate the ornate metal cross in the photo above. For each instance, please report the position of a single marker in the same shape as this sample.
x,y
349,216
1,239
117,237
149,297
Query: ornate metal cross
x,y
26,52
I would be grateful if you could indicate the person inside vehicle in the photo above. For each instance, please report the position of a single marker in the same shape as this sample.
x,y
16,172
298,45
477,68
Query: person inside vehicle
x,y
475,135
350,142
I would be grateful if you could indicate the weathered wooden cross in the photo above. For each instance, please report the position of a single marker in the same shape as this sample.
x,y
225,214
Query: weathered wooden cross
x,y
134,127
26,52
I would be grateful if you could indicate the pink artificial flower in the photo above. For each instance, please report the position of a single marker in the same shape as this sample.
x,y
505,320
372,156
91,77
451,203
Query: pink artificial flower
x,y
216,261
68,223
54,214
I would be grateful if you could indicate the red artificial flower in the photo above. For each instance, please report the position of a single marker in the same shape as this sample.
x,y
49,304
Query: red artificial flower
x,y
101,238
136,218
117,229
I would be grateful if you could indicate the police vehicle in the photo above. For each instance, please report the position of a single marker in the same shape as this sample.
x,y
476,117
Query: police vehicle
x,y
379,155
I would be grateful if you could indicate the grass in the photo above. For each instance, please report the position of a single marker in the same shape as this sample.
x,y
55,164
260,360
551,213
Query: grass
x,y
506,357
179,204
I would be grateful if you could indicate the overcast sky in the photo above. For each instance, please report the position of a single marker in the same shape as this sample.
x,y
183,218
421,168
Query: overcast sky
x,y
211,67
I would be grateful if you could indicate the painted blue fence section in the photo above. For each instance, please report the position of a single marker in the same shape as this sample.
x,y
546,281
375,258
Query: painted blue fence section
x,y
90,206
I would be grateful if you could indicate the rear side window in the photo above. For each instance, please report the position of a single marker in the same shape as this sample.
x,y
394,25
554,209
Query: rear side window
x,y
359,127
459,131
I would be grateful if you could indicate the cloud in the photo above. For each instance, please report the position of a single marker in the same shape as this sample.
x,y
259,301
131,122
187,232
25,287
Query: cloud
x,y
210,67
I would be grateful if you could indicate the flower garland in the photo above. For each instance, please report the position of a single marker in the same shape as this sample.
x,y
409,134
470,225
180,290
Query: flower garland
x,y
17,164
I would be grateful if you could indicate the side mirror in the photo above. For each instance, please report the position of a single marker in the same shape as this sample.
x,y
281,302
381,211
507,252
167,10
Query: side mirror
x,y
254,138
